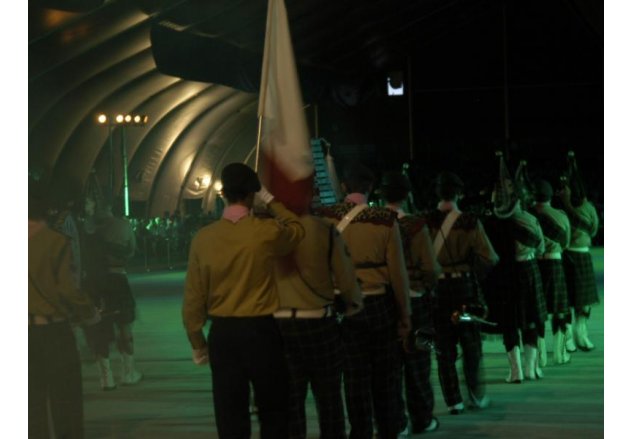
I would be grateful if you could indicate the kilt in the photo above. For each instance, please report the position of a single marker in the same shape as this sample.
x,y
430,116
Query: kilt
x,y
554,284
580,279
530,310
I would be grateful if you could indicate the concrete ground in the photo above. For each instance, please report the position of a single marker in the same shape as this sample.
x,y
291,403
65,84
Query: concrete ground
x,y
174,398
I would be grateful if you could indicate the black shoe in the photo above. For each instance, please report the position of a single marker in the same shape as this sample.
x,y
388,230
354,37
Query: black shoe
x,y
431,426
456,409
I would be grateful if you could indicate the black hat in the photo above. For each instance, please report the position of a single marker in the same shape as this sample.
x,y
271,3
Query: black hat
x,y
395,186
238,181
448,186
543,191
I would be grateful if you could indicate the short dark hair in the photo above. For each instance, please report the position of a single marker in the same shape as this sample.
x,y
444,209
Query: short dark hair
x,y
395,186
358,178
448,186
238,181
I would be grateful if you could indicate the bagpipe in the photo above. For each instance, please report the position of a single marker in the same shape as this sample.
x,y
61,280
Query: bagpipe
x,y
571,179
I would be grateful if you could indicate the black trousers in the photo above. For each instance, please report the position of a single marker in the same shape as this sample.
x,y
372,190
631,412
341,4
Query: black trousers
x,y
245,350
314,354
54,380
417,370
371,369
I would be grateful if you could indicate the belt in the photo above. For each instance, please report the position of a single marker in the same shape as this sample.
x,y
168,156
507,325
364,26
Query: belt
x,y
319,313
118,270
376,292
523,258
579,249
554,255
454,275
413,293
44,320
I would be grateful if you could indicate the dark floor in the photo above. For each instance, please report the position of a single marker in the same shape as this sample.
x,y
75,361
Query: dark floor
x,y
174,399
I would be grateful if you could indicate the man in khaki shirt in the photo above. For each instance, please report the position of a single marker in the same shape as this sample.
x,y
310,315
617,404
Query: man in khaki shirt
x,y
54,301
306,281
463,251
230,279
423,270
556,228
371,337
580,277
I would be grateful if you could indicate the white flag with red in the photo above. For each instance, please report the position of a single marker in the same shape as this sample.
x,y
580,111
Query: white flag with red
x,y
286,163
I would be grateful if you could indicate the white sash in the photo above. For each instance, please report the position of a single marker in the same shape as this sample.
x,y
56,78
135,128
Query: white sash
x,y
450,219
356,210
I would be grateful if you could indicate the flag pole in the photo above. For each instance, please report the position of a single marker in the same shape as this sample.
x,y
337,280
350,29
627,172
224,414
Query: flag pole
x,y
257,144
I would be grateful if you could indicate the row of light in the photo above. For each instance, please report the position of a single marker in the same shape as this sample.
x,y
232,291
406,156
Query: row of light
x,y
205,181
134,119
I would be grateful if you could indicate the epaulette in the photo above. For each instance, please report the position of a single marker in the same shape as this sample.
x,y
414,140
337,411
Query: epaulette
x,y
411,224
372,215
466,221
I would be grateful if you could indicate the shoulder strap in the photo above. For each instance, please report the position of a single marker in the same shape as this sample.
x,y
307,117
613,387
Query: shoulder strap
x,y
347,219
445,228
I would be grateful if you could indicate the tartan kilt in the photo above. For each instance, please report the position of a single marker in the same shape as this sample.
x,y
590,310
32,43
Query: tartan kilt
x,y
531,303
580,278
554,284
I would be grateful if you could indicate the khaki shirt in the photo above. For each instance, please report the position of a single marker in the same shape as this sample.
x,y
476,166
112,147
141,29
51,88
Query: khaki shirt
x,y
466,247
422,265
584,222
307,278
556,227
230,271
374,240
530,229
52,288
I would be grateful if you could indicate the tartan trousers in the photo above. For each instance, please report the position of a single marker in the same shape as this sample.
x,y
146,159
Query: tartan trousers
x,y
417,370
451,294
371,369
314,354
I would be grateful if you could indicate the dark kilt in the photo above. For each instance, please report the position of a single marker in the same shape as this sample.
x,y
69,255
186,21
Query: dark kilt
x,y
117,306
554,283
580,279
118,299
529,293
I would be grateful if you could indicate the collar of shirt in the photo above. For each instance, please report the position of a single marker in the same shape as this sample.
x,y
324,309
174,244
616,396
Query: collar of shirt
x,y
444,206
357,198
235,213
396,209
35,226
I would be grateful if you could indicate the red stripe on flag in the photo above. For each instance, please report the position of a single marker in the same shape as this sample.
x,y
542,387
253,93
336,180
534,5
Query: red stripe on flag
x,y
296,195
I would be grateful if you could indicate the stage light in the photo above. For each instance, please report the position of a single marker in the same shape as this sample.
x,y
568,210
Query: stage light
x,y
119,118
137,119
128,118
218,186
102,119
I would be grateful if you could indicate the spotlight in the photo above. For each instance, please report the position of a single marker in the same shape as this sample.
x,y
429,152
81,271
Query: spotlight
x,y
119,118
145,119
102,119
137,119
128,118
218,186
